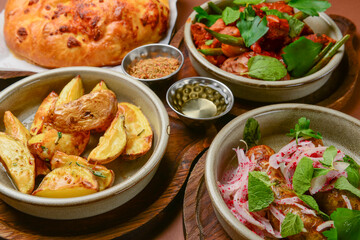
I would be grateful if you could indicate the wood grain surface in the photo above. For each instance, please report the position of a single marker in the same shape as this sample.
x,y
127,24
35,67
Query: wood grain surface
x,y
334,94
145,209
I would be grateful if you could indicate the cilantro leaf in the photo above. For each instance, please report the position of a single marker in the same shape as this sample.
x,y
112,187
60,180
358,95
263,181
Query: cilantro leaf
x,y
352,171
296,26
291,225
230,15
252,31
209,42
299,56
331,234
248,1
266,68
251,133
347,223
343,184
311,202
203,15
274,12
302,130
260,194
248,14
328,156
303,175
310,7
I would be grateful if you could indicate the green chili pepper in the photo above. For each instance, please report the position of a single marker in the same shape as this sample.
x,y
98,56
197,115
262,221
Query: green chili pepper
x,y
227,39
211,51
215,8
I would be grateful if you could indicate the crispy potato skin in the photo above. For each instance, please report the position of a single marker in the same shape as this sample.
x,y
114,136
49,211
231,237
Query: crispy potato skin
x,y
138,131
15,128
91,111
262,154
100,86
61,159
45,144
112,143
41,168
43,113
67,181
72,91
18,161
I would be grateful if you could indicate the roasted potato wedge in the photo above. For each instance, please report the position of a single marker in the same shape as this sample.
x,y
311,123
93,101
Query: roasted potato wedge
x,y
41,168
43,113
72,91
100,86
15,128
68,181
104,176
18,161
45,144
112,144
91,111
138,131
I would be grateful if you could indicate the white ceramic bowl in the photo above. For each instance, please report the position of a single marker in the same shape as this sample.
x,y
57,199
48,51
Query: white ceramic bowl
x,y
275,121
23,99
267,91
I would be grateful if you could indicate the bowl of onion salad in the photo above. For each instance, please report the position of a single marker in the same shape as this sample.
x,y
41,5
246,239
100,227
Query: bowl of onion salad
x,y
290,182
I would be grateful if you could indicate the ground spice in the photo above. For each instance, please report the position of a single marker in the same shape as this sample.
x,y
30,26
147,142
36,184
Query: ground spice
x,y
153,68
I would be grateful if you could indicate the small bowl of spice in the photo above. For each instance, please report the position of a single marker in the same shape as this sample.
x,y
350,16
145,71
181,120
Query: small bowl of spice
x,y
199,101
153,62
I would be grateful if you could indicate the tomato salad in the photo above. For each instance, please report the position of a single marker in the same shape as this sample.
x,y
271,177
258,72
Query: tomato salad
x,y
266,41
304,191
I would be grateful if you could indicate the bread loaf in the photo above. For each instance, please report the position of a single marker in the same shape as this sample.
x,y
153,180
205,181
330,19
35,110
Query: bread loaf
x,y
61,33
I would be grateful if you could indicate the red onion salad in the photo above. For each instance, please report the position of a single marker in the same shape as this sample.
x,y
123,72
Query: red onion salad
x,y
234,184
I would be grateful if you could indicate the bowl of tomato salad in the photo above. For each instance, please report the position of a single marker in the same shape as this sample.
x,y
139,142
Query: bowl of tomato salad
x,y
265,51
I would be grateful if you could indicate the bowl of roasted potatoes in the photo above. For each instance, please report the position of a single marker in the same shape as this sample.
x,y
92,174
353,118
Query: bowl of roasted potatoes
x,y
77,142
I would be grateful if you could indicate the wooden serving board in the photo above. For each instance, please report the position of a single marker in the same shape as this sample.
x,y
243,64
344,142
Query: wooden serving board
x,y
134,219
200,221
334,94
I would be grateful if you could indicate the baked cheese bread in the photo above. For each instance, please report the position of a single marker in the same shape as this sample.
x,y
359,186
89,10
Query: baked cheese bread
x,y
61,33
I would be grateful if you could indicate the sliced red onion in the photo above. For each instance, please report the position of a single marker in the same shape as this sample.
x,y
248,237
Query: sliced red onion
x,y
288,201
347,201
327,224
341,166
317,184
277,214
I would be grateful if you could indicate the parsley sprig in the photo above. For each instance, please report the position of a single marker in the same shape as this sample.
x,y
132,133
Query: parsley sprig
x,y
302,130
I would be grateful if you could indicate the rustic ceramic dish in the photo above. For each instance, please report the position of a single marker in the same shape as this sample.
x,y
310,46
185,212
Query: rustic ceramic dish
x,y
152,51
267,91
275,121
23,99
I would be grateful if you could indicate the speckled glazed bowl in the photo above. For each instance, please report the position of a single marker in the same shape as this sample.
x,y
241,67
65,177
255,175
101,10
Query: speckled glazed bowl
x,y
268,91
23,99
275,121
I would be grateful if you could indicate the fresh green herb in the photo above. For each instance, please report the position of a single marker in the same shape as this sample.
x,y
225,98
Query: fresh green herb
x,y
352,171
300,55
209,42
248,14
47,160
331,234
296,26
310,7
328,157
203,16
251,133
323,52
266,68
45,149
273,12
302,130
248,1
303,175
343,184
311,202
14,164
227,39
230,15
99,174
347,223
259,191
214,8
59,136
291,225
251,31
320,172
211,51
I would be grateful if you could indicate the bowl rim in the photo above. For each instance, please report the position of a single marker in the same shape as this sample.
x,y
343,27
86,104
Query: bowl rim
x,y
154,79
335,61
210,181
146,169
228,107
